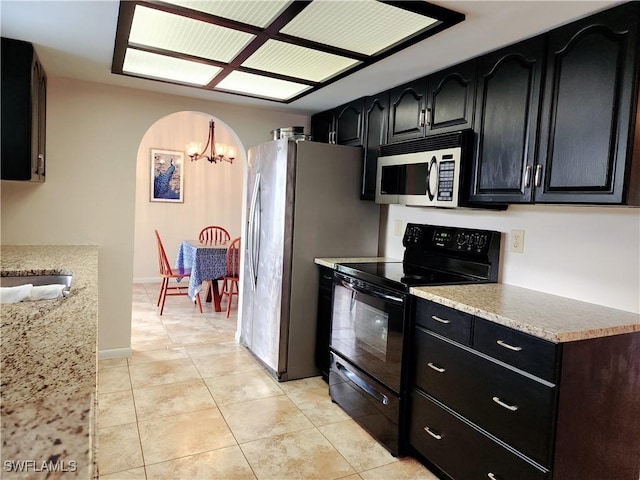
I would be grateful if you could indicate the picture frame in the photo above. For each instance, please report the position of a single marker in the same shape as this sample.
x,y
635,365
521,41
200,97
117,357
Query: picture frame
x,y
166,182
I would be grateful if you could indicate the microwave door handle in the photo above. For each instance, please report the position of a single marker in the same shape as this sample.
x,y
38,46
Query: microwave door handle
x,y
432,170
383,296
356,380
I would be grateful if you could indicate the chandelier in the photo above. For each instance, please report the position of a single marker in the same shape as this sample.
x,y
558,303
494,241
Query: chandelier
x,y
218,152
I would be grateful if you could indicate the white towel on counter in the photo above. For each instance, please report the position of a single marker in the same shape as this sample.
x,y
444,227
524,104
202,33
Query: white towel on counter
x,y
46,292
15,294
29,292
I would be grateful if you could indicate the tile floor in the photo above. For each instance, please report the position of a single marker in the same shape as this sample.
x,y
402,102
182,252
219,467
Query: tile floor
x,y
191,403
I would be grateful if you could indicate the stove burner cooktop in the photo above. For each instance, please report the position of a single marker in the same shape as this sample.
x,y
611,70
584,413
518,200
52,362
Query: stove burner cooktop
x,y
402,276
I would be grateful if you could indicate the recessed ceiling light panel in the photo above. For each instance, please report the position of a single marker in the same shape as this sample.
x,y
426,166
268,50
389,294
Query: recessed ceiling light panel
x,y
296,61
363,26
259,86
259,13
161,67
158,29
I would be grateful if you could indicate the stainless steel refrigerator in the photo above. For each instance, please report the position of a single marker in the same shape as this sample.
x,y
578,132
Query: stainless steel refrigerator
x,y
303,202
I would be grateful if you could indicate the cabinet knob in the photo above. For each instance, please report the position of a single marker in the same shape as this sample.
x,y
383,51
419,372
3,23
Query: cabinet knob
x,y
538,179
435,435
527,177
441,320
511,408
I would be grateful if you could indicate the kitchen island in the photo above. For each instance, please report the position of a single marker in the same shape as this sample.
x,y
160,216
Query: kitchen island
x,y
48,361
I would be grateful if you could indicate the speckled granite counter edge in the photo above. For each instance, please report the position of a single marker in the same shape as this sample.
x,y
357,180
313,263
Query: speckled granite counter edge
x,y
48,399
570,320
331,262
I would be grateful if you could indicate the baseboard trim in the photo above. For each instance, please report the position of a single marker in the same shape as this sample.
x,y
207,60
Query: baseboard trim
x,y
114,353
146,280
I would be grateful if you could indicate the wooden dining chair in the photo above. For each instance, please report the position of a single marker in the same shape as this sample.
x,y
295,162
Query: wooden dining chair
x,y
167,273
214,235
232,275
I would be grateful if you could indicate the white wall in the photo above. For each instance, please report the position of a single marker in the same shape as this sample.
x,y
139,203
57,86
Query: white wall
x,y
93,137
586,253
212,192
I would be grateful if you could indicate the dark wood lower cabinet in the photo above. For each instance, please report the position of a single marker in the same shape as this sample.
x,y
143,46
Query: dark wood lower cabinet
x,y
323,327
478,413
459,449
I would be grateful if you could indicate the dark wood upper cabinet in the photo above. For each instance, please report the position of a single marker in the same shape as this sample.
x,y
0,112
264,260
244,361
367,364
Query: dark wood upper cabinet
x,y
23,105
439,103
450,99
589,111
322,126
506,125
407,108
343,125
376,112
349,123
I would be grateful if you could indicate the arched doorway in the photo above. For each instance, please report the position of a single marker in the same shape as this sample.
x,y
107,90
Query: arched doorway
x,y
212,193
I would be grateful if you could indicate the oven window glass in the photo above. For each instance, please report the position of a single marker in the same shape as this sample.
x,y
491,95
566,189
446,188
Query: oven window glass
x,y
367,330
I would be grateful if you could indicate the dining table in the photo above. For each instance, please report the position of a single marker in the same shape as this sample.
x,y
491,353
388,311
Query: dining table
x,y
207,263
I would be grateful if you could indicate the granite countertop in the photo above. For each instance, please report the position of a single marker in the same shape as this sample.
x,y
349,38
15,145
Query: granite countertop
x,y
48,360
551,317
331,262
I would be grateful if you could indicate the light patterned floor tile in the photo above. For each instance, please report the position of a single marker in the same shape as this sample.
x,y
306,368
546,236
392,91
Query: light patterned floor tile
x,y
294,386
213,348
168,438
158,373
316,404
356,445
263,418
148,356
113,379
225,364
225,463
298,455
133,474
112,362
242,387
116,408
164,400
119,448
405,469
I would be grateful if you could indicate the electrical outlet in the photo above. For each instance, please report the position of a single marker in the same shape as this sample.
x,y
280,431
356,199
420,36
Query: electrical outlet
x,y
517,241
398,228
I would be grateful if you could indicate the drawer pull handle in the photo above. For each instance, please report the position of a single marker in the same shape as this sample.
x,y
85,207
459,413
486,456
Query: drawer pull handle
x,y
432,433
510,347
513,408
492,476
441,320
436,368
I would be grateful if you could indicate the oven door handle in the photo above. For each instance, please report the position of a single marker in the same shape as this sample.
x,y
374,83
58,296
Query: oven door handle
x,y
362,384
373,293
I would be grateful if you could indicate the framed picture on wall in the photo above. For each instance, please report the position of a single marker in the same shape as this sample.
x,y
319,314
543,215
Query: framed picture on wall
x,y
167,176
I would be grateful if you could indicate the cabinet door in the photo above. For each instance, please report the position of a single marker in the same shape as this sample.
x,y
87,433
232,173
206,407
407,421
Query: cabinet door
x,y
322,127
349,122
323,327
375,134
451,98
588,108
507,111
407,105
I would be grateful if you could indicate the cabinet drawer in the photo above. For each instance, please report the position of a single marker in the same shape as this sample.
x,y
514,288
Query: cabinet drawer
x,y
526,352
446,321
517,409
459,449
325,280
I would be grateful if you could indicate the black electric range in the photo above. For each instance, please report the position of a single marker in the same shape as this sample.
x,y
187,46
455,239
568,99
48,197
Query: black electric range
x,y
435,255
371,317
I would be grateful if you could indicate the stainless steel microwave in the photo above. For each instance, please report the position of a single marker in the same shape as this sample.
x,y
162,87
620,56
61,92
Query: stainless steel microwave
x,y
431,177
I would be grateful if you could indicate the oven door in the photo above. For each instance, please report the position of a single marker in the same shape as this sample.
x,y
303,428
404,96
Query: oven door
x,y
368,327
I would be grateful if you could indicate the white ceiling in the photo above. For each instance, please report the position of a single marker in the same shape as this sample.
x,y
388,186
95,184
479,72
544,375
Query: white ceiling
x,y
75,39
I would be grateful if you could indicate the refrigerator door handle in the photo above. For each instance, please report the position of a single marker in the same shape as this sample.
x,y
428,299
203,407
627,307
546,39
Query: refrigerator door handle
x,y
251,244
